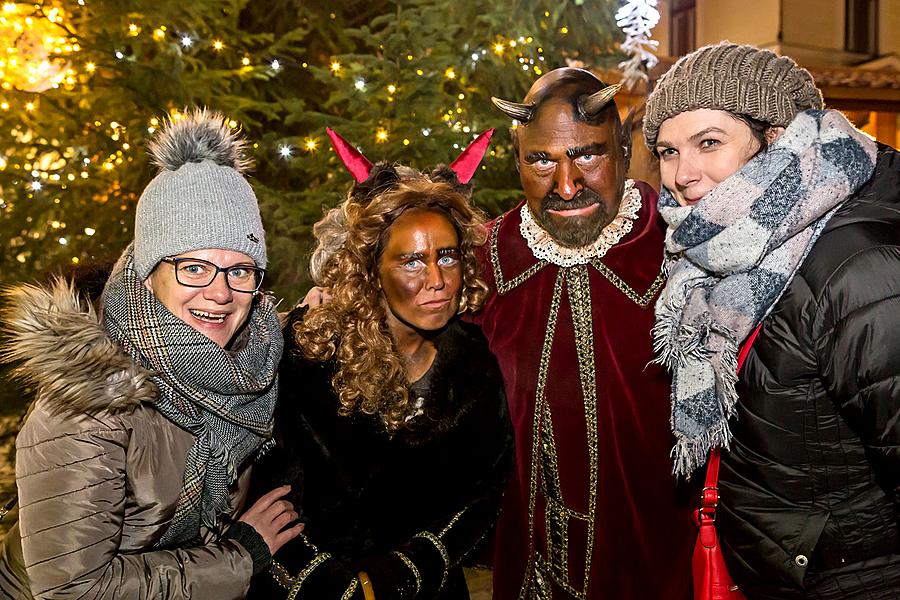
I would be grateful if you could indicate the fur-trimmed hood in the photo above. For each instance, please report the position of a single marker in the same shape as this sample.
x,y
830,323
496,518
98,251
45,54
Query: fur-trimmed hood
x,y
62,348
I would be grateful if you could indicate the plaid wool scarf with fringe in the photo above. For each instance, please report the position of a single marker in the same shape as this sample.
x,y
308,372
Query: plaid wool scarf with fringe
x,y
225,398
731,256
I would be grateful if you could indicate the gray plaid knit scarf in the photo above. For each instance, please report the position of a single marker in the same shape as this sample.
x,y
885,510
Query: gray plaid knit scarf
x,y
224,398
731,256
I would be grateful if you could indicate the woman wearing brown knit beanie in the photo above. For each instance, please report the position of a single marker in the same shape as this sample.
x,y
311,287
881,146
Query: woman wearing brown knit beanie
x,y
784,233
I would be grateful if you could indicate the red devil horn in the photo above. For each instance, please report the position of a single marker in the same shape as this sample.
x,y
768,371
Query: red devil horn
x,y
358,165
467,162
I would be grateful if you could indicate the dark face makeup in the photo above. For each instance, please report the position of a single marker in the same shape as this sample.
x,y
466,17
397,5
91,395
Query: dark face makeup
x,y
420,272
572,172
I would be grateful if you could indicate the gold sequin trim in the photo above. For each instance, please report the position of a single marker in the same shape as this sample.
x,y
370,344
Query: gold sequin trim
x,y
452,522
503,286
642,300
293,584
351,589
281,575
412,567
442,550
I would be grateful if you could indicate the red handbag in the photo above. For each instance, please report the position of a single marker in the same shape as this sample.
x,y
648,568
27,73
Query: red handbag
x,y
711,578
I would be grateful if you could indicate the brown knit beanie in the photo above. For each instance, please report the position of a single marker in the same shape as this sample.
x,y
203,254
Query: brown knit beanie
x,y
740,79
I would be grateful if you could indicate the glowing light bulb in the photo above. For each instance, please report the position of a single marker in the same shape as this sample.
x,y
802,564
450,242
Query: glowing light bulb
x,y
335,67
310,144
186,41
450,73
276,65
391,88
217,45
381,135
284,151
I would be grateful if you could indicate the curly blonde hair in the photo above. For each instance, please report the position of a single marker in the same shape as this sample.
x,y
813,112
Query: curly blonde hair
x,y
352,327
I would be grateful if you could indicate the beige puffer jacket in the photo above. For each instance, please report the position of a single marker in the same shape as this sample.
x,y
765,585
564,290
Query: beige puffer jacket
x,y
99,471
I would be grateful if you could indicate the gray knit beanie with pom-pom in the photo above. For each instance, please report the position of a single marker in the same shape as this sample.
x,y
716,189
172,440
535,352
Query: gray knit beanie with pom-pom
x,y
200,199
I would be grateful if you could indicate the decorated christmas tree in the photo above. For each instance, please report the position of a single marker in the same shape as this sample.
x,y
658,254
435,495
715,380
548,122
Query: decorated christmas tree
x,y
84,85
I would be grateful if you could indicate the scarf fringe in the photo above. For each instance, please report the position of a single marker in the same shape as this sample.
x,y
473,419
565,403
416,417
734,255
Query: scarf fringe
x,y
676,343
688,454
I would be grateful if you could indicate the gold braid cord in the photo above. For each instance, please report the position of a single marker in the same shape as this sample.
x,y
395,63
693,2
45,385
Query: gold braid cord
x,y
412,567
442,550
292,584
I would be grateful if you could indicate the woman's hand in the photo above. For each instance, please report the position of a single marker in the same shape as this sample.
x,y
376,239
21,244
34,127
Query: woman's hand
x,y
270,517
316,297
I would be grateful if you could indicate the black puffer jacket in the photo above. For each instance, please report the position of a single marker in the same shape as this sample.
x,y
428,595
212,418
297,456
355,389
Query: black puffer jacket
x,y
809,492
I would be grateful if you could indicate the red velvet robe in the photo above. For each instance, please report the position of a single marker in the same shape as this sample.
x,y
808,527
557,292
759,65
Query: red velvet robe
x,y
616,527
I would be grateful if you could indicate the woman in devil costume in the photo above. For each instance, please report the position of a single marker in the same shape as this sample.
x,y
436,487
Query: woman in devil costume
x,y
391,425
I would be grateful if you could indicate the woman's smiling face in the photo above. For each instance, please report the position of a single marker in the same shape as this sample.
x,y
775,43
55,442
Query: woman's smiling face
x,y
699,149
216,311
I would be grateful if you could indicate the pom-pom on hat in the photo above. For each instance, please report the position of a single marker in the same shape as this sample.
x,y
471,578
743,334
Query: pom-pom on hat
x,y
200,199
740,79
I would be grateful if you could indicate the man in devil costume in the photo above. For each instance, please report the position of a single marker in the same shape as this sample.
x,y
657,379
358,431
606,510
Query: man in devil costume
x,y
591,510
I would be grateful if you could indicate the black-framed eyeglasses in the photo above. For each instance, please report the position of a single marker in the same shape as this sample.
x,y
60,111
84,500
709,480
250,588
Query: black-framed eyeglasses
x,y
199,273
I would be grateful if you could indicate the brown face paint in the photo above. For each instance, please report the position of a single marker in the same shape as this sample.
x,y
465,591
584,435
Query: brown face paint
x,y
572,172
420,271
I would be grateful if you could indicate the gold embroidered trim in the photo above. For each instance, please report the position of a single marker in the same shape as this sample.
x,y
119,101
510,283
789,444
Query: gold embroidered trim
x,y
530,579
542,589
642,300
412,567
545,247
503,286
442,550
556,521
452,522
281,575
292,584
351,589
578,287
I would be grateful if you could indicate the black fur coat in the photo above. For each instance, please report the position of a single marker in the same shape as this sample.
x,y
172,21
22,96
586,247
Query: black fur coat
x,y
407,509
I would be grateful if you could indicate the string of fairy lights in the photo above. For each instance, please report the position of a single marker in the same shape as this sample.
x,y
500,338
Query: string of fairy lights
x,y
42,53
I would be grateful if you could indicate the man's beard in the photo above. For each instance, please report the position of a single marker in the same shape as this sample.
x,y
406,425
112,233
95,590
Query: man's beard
x,y
574,231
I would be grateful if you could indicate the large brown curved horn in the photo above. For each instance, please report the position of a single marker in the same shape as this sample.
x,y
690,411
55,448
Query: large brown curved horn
x,y
520,112
590,106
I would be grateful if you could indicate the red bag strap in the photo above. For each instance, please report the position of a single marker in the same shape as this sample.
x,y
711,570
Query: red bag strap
x,y
710,497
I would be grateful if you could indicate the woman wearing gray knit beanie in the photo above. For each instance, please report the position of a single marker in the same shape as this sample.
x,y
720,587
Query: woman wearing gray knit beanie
x,y
133,461
783,238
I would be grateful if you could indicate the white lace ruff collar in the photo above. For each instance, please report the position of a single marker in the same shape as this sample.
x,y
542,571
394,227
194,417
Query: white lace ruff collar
x,y
544,247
